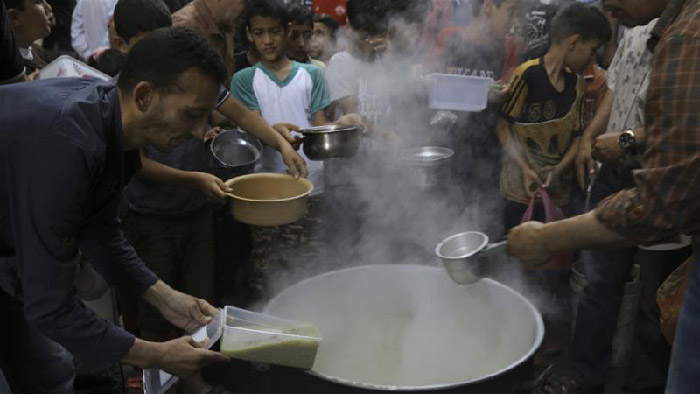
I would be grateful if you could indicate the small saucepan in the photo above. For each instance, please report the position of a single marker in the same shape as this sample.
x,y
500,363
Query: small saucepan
x,y
331,141
466,255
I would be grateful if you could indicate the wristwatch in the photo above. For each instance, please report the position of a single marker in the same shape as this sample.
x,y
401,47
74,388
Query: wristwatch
x,y
627,140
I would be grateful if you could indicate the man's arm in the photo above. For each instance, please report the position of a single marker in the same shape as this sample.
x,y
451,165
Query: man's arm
x,y
584,160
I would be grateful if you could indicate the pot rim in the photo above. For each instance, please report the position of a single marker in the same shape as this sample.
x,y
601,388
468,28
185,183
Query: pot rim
x,y
537,342
328,129
410,155
481,246
269,175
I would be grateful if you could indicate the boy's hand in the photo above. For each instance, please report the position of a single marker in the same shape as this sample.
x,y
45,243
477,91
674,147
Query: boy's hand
x,y
530,181
498,92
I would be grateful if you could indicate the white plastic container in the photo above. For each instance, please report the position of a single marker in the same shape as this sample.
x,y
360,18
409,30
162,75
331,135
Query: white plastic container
x,y
257,337
67,67
459,92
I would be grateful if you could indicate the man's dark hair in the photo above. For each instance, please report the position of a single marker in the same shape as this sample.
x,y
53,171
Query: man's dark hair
x,y
301,15
109,62
577,18
412,11
133,17
368,16
14,4
163,55
477,5
266,9
330,23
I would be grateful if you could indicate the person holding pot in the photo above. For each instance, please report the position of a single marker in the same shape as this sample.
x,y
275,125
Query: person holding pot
x,y
61,183
664,201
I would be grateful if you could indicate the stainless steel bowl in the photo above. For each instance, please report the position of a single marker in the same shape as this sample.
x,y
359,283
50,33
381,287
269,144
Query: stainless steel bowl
x,y
331,141
465,255
234,153
430,165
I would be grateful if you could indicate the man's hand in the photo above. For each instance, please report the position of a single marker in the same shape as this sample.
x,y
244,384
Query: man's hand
x,y
212,187
181,357
525,242
181,309
530,181
585,165
351,120
607,149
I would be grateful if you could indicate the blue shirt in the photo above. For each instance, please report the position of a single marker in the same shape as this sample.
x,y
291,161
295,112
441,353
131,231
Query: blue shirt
x,y
62,172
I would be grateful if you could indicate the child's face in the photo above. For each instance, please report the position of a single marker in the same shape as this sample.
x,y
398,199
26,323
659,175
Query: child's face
x,y
369,45
268,36
501,17
321,41
580,53
299,39
34,22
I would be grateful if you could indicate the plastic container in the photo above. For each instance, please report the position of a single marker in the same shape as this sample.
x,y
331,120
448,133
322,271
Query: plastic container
x,y
67,67
261,338
459,92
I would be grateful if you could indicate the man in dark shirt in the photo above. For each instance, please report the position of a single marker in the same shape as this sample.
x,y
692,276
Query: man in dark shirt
x,y
67,149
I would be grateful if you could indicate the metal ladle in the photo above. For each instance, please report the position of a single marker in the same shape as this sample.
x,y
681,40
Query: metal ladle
x,y
465,255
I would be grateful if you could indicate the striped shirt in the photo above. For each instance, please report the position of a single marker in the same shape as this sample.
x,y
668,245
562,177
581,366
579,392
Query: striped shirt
x,y
666,199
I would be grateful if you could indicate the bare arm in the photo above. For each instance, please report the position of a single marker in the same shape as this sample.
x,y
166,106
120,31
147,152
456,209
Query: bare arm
x,y
530,178
585,164
253,123
207,184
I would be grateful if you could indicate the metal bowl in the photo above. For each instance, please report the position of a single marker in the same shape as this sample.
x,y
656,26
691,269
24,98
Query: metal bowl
x,y
235,148
466,256
331,141
430,165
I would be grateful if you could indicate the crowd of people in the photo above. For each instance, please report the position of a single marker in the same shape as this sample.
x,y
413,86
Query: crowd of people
x,y
592,118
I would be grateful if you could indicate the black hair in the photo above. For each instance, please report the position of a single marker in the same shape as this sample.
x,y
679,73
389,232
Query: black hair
x,y
267,9
478,4
369,16
412,11
133,17
330,23
577,18
14,4
163,55
109,62
301,15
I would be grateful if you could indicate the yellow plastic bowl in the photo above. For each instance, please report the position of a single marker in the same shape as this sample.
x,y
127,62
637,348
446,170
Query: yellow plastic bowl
x,y
269,199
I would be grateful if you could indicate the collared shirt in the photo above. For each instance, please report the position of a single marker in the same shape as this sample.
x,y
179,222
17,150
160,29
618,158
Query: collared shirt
x,y
199,18
666,199
62,172
628,78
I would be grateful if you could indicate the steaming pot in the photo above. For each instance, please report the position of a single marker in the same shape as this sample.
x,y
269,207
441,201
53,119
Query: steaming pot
x,y
403,328
331,142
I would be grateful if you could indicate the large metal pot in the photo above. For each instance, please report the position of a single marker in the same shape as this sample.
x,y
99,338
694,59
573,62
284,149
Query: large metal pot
x,y
331,142
404,328
430,165
269,199
235,153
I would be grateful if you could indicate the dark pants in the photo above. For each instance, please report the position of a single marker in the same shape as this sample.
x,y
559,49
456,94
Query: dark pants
x,y
606,272
180,251
31,362
684,376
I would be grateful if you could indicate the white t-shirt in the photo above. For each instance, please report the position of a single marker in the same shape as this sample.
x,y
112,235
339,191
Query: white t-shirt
x,y
294,100
348,76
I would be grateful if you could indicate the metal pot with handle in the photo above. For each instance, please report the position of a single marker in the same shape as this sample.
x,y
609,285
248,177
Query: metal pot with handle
x,y
331,141
467,255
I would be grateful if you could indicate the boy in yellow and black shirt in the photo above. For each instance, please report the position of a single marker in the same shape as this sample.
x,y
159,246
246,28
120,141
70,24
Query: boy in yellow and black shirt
x,y
542,116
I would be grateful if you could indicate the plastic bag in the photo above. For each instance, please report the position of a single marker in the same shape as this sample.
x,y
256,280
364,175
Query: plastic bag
x,y
552,213
669,297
